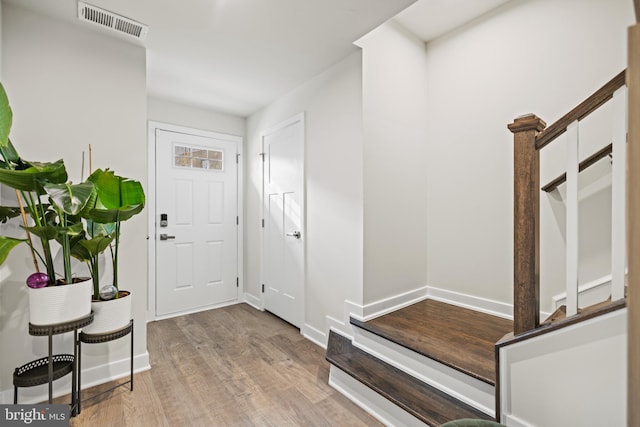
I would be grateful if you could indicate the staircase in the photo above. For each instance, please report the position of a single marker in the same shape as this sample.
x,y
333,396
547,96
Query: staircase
x,y
426,364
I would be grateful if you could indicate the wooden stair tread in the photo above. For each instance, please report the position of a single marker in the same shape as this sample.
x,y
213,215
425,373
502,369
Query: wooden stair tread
x,y
428,404
460,338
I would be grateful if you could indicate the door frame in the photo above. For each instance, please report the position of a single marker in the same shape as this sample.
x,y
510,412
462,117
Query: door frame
x,y
300,117
154,126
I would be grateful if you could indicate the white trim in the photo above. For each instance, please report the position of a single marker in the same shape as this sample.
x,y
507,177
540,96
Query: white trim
x,y
152,127
197,309
353,309
115,370
341,328
380,408
618,194
314,335
254,301
513,421
483,305
595,291
393,303
571,238
93,376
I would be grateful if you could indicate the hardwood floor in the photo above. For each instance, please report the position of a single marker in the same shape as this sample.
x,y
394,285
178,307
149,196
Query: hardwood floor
x,y
233,366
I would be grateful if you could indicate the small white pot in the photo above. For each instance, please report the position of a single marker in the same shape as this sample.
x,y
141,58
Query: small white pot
x,y
110,315
58,304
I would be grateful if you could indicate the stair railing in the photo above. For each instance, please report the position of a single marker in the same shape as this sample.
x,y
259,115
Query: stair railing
x,y
531,135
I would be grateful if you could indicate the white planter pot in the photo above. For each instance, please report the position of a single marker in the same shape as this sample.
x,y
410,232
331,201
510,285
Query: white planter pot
x,y
59,304
110,315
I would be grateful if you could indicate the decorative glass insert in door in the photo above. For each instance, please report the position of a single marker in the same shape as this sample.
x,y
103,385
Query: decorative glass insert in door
x,y
198,158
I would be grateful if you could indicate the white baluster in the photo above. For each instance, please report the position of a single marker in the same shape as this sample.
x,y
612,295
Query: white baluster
x,y
618,189
572,219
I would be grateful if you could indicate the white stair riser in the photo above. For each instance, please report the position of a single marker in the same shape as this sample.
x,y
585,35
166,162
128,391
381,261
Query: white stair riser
x,y
379,407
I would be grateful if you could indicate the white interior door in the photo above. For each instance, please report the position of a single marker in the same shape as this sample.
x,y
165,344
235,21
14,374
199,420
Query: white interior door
x,y
283,207
196,248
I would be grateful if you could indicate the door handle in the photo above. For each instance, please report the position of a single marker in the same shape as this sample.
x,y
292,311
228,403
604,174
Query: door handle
x,y
295,234
166,237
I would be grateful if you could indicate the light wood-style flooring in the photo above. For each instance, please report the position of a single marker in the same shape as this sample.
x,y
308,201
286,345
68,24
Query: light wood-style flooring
x,y
234,366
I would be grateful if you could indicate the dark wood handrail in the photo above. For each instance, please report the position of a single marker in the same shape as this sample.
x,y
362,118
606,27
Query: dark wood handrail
x,y
585,108
636,3
589,161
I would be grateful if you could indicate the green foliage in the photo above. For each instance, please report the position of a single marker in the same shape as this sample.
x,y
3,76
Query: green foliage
x,y
118,199
83,218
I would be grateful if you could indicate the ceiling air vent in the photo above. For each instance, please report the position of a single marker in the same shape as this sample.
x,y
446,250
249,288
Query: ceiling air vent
x,y
112,21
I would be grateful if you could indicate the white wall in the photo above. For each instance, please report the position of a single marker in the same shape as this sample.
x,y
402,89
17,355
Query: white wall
x,y
395,152
540,56
333,166
70,87
164,111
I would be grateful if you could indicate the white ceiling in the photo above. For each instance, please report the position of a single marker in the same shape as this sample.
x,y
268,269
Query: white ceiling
x,y
236,56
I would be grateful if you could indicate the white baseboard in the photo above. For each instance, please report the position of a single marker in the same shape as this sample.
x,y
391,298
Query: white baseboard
x,y
314,335
513,421
253,301
115,370
495,308
352,309
396,302
588,294
90,377
197,310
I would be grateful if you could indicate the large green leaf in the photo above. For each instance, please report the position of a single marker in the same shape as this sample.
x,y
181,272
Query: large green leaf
x,y
34,174
115,192
46,232
118,199
6,117
71,199
6,244
105,216
97,245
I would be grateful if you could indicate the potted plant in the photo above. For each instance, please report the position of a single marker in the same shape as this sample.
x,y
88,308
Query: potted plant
x,y
118,200
54,208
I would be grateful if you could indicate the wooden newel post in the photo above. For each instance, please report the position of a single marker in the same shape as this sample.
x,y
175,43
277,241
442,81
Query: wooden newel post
x,y
526,223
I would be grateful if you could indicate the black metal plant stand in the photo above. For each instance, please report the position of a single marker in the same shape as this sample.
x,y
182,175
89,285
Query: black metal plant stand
x,y
101,338
50,368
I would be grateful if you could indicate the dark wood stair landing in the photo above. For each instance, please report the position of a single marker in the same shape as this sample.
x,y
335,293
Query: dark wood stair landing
x,y
428,404
460,338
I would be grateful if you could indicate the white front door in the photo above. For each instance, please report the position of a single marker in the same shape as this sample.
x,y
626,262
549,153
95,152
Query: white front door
x,y
283,207
196,226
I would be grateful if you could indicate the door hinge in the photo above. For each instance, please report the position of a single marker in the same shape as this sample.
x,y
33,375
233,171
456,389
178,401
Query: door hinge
x,y
262,222
261,155
237,220
237,159
237,282
263,288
